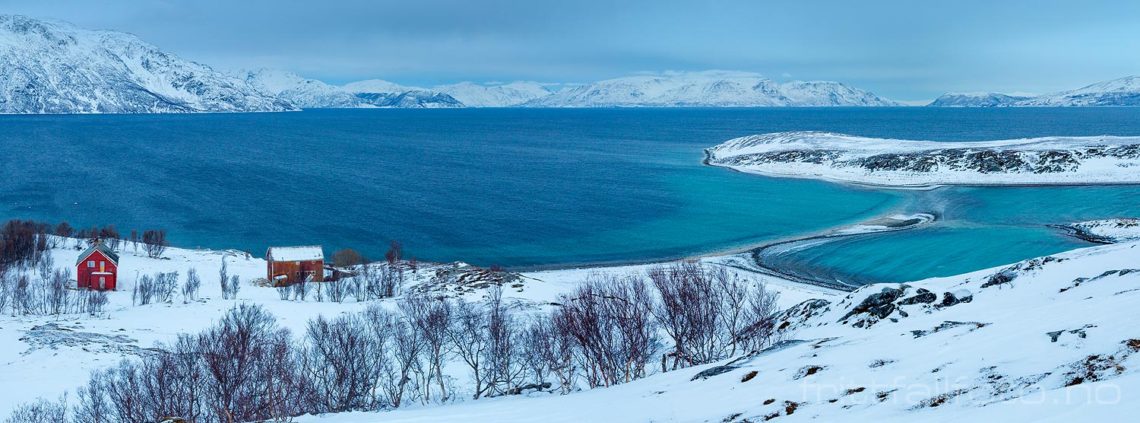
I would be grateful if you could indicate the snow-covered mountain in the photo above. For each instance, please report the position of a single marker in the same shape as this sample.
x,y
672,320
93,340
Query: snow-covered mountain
x,y
1117,92
891,162
54,67
494,95
302,92
708,89
976,100
381,93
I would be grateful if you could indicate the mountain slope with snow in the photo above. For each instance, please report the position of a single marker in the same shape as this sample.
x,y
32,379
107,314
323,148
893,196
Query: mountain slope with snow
x,y
1118,92
494,95
381,93
1047,339
708,89
302,92
53,67
976,100
887,162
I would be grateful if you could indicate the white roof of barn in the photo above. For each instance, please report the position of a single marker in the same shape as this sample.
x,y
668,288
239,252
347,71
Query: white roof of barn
x,y
302,253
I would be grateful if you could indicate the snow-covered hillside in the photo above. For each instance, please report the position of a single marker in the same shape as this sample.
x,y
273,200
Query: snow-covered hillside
x,y
1118,92
494,95
381,93
1048,339
1106,230
887,162
300,91
53,354
54,67
708,89
976,100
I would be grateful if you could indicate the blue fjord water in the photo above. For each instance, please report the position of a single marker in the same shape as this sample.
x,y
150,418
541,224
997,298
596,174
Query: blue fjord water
x,y
535,187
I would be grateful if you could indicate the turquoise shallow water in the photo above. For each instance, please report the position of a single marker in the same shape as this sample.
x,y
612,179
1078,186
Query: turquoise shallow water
x,y
533,187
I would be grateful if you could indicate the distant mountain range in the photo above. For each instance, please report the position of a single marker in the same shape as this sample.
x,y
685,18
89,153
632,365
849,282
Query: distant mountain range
x,y
708,89
55,67
1117,92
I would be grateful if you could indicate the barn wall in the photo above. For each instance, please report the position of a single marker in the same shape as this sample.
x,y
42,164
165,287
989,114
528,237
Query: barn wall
x,y
294,269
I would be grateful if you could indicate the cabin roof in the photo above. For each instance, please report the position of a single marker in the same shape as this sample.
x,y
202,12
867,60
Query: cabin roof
x,y
100,247
299,253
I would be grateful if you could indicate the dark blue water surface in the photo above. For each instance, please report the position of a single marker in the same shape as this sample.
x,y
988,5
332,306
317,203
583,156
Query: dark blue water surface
x,y
531,187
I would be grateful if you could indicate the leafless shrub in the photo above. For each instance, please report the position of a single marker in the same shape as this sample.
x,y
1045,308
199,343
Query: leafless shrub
x,y
759,330
94,301
705,312
7,285
234,286
92,404
238,360
59,297
45,266
505,366
300,290
407,359
40,411
469,336
144,291
154,242
165,284
224,279
192,285
430,318
337,290
609,318
341,361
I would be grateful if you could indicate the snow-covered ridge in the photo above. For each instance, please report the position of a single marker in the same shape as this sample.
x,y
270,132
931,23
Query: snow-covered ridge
x,y
1117,92
1047,339
709,89
889,162
1106,230
54,67
976,100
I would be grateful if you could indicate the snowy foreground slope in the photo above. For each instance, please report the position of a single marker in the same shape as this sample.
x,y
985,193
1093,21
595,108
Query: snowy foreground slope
x,y
53,67
52,355
710,88
1047,339
1117,92
887,162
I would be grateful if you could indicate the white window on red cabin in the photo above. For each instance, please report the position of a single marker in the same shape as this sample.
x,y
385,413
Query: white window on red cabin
x,y
90,264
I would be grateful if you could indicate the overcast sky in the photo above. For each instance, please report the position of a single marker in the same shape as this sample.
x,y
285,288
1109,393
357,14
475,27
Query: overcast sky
x,y
906,50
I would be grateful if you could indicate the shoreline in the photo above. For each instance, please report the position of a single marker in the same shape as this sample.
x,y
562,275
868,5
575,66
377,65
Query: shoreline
x,y
885,223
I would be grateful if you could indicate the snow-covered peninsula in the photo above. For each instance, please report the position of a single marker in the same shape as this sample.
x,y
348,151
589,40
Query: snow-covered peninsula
x,y
905,163
1106,230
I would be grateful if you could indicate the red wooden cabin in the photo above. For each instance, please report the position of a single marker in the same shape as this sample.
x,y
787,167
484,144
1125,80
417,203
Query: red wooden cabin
x,y
97,268
289,265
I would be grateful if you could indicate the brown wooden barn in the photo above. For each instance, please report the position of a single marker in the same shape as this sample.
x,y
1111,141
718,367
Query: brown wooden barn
x,y
289,265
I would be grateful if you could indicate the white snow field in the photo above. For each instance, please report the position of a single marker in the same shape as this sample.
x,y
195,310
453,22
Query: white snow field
x,y
906,163
52,355
1047,339
1108,230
